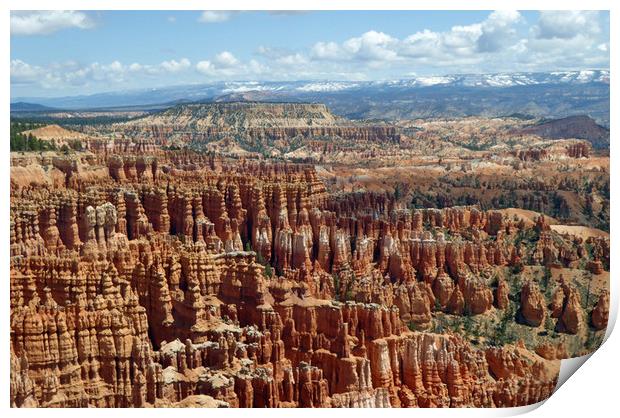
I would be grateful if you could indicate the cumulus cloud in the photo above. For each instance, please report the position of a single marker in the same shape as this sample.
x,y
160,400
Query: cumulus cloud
x,y
566,24
24,73
372,46
498,31
577,52
483,46
165,67
293,60
460,44
71,73
499,42
326,51
173,66
457,45
226,60
226,66
67,73
205,67
283,56
215,16
564,40
46,22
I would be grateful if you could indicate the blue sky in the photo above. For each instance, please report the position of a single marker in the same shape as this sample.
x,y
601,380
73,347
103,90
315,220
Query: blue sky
x,y
71,52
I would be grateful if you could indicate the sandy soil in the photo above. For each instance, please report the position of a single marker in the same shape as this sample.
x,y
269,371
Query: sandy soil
x,y
528,216
55,132
583,232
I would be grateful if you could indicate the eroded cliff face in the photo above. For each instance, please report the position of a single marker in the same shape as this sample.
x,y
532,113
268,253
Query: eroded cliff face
x,y
185,280
254,126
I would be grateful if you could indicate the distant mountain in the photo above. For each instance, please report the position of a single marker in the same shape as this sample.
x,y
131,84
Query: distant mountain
x,y
581,127
29,107
543,94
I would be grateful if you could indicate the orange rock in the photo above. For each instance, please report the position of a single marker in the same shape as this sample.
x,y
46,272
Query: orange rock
x,y
572,317
502,294
532,304
557,302
183,279
595,267
600,313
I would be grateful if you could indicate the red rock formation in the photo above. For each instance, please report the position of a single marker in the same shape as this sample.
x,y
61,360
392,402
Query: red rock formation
x,y
532,304
532,154
595,267
572,318
181,280
600,313
578,150
502,294
557,302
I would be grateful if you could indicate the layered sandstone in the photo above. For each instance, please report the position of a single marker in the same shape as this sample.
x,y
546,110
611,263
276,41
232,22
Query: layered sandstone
x,y
183,279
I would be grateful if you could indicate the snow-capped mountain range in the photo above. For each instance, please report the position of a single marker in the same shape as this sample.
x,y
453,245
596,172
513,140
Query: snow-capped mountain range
x,y
298,89
472,80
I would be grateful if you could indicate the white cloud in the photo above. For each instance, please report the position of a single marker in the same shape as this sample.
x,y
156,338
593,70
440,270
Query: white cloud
x,y
256,68
462,44
326,51
24,73
498,30
500,42
422,44
46,22
214,16
372,46
566,24
292,59
283,56
205,67
459,45
226,66
226,60
566,40
579,52
173,66
71,73
136,67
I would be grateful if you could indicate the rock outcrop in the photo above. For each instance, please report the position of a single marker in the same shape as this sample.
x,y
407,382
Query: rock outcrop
x,y
183,280
532,304
600,313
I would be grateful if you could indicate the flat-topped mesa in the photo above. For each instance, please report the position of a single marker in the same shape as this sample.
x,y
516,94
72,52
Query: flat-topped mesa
x,y
252,123
242,115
